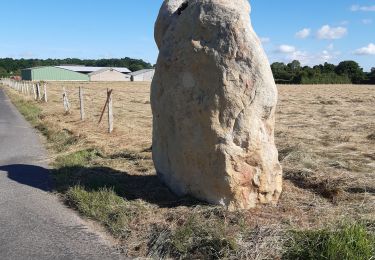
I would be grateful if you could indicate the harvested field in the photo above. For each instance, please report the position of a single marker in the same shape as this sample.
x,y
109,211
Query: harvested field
x,y
325,135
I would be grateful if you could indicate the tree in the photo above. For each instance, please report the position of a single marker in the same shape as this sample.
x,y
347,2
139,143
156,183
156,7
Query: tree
x,y
281,73
371,76
295,66
352,70
328,68
3,73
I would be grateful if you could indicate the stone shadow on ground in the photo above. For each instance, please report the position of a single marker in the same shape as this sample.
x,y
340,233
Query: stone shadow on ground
x,y
148,188
29,175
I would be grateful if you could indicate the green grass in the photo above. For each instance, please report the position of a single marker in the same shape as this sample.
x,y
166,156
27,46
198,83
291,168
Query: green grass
x,y
60,139
80,158
106,207
29,110
349,242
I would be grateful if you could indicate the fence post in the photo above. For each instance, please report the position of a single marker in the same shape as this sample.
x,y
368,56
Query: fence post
x,y
110,111
34,91
27,89
38,91
66,101
81,104
45,93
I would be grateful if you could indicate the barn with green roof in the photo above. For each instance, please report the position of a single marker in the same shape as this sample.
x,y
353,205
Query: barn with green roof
x,y
51,73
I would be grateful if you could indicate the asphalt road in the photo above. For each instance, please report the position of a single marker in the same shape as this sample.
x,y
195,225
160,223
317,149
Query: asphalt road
x,y
34,224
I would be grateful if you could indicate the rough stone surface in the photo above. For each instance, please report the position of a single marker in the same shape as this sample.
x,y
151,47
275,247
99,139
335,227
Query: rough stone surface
x,y
213,99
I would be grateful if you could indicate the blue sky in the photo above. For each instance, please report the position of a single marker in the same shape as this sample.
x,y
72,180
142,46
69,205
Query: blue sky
x,y
313,31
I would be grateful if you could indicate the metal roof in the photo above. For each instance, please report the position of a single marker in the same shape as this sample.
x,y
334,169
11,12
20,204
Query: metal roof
x,y
104,69
92,69
35,68
138,72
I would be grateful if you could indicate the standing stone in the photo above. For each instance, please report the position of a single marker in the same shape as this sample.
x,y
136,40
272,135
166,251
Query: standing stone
x,y
213,101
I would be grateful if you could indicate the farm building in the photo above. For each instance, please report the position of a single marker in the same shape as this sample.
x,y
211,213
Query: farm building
x,y
75,73
88,70
51,73
108,74
142,75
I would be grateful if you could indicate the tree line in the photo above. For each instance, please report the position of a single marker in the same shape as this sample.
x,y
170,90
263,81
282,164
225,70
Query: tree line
x,y
12,67
346,72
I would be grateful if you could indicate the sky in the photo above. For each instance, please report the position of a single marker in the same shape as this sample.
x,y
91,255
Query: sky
x,y
312,31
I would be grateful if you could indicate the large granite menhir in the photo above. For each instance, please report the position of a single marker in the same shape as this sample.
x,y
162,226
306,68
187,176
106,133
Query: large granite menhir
x,y
213,101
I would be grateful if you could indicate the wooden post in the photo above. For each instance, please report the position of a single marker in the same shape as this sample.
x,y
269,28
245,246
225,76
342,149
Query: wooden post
x,y
81,104
110,111
108,103
34,91
66,101
27,89
45,93
38,91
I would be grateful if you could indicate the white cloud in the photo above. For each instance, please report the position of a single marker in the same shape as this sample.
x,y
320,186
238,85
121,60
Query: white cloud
x,y
344,22
367,21
325,56
304,33
286,49
363,8
301,56
311,59
367,50
330,47
331,33
265,40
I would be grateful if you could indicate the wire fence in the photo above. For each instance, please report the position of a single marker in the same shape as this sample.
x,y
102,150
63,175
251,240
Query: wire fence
x,y
94,106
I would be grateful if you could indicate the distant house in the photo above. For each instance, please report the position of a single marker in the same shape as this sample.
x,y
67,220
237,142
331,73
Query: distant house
x,y
17,78
108,74
142,75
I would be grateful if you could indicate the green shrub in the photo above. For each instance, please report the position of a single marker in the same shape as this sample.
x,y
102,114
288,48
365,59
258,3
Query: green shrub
x,y
349,242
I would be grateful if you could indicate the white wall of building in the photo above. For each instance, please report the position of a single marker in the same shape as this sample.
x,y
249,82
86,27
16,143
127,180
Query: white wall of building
x,y
145,76
109,75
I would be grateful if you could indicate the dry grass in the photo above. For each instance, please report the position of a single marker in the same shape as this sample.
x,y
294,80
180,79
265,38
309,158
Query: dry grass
x,y
325,135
